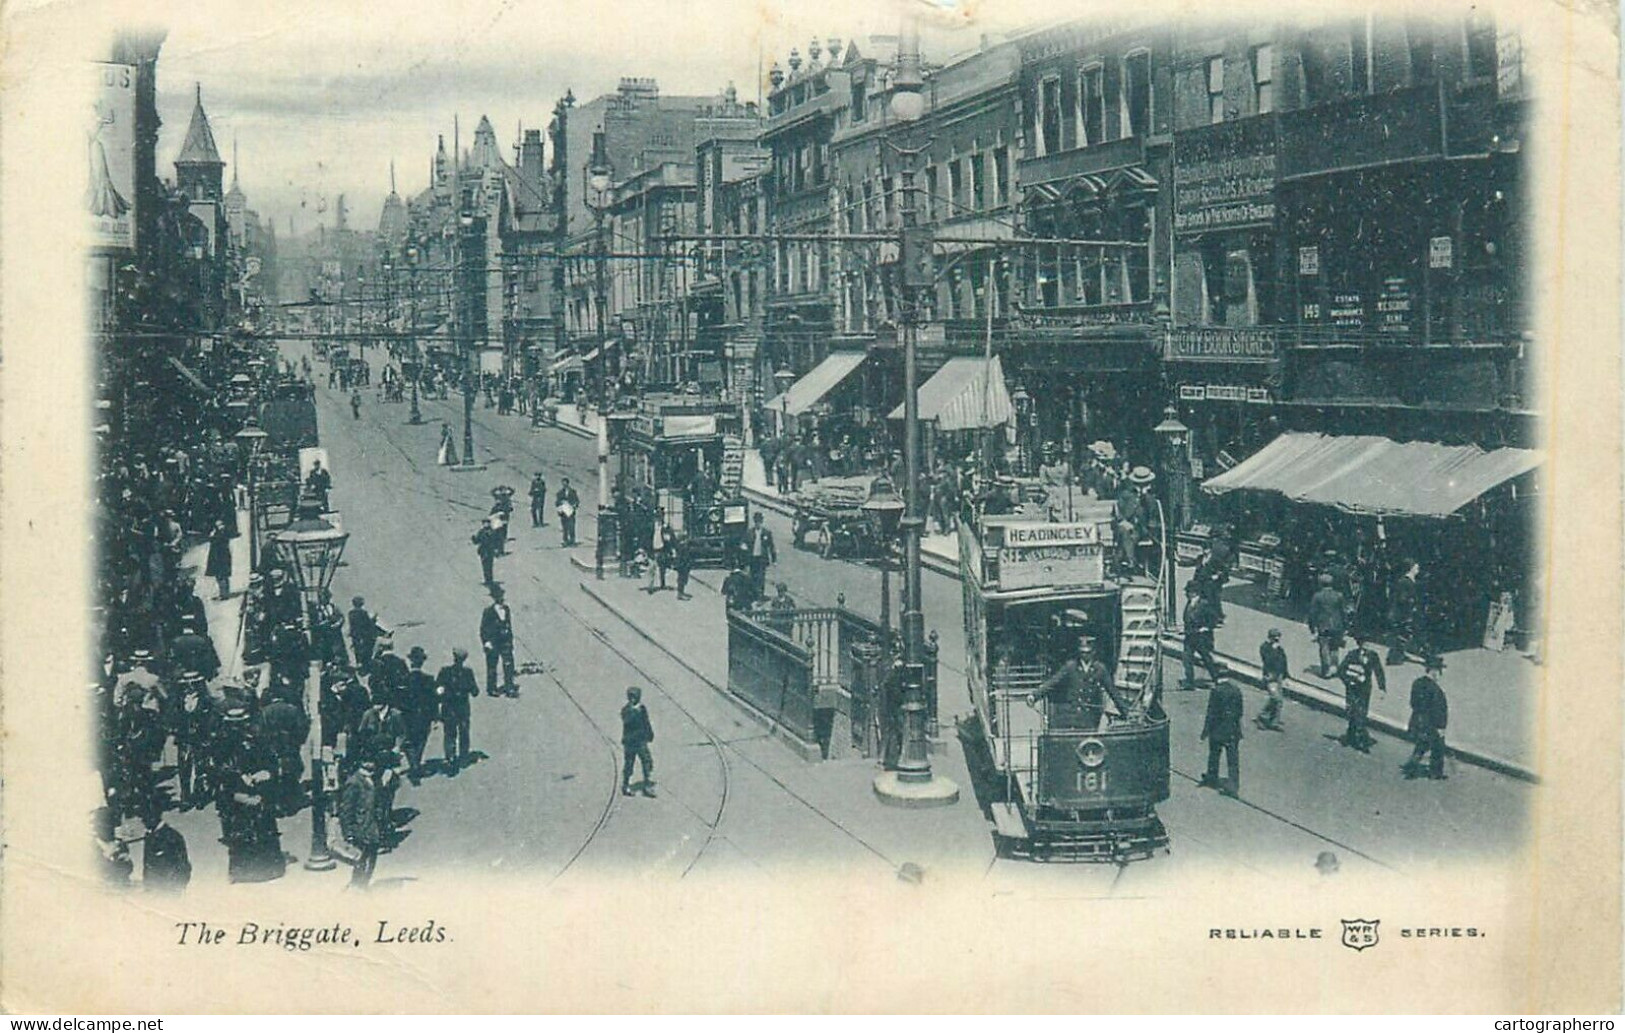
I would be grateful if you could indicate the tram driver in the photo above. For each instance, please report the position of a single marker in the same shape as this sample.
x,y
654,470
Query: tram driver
x,y
1077,691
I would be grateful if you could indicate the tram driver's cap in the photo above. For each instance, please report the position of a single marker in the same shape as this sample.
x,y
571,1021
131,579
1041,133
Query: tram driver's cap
x,y
1275,634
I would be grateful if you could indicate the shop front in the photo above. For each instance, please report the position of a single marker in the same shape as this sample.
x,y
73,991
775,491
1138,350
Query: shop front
x,y
1365,508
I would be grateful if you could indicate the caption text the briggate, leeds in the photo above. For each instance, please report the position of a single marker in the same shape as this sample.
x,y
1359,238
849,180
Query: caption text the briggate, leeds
x,y
305,937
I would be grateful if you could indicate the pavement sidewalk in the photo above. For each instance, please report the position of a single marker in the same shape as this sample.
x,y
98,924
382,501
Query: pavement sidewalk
x,y
1493,695
694,634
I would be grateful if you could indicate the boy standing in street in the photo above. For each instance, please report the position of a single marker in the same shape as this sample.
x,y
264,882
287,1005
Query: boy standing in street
x,y
1273,660
636,735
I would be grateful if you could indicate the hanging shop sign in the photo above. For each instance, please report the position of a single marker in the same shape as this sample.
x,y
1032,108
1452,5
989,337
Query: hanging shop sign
x,y
1223,344
1309,261
1225,175
1224,393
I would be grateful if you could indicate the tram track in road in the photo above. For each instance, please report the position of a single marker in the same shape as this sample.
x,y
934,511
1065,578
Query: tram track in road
x,y
710,820
526,645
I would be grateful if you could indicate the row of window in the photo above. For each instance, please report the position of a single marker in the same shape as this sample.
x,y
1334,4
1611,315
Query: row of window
x,y
1130,92
973,183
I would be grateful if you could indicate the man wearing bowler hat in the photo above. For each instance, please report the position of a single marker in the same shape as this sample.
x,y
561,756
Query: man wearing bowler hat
x,y
418,708
1430,712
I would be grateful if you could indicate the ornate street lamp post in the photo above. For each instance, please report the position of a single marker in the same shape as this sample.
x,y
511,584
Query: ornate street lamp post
x,y
913,784
885,507
250,440
465,334
1175,439
598,177
416,416
311,547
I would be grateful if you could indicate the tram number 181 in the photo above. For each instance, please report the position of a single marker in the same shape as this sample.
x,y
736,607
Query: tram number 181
x,y
1092,781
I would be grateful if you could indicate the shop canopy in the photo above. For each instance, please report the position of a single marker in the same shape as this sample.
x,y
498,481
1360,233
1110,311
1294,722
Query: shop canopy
x,y
1374,475
965,394
810,389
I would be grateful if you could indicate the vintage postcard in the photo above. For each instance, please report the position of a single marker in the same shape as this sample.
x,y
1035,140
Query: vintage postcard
x,y
751,506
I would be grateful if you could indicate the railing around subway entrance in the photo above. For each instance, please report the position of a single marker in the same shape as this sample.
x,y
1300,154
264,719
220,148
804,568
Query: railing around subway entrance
x,y
804,669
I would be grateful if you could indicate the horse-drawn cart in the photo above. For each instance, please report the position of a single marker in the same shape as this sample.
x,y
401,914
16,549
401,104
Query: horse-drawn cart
x,y
828,516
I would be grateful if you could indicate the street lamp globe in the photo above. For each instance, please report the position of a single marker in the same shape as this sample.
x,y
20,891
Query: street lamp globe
x,y
885,506
784,378
1171,431
310,546
250,439
907,104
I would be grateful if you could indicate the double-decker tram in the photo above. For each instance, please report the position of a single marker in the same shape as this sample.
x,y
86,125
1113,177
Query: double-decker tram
x,y
1064,664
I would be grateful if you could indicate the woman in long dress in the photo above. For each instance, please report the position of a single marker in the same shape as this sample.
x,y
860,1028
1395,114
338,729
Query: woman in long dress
x,y
448,449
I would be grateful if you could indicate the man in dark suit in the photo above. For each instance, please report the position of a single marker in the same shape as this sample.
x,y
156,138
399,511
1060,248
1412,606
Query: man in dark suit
x,y
418,708
1200,619
496,636
191,651
1358,671
488,543
538,500
1077,690
1430,713
1222,730
165,864
364,632
636,735
568,504
454,686
388,679
759,553
1404,609
319,482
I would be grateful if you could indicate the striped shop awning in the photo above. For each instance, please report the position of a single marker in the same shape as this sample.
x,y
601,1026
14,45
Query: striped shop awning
x,y
965,394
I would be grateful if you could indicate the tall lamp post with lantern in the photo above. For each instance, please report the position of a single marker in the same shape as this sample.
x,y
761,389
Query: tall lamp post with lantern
x,y
1175,439
598,177
311,547
913,784
416,416
250,440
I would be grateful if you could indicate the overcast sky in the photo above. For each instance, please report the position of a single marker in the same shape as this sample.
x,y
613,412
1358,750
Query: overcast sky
x,y
319,101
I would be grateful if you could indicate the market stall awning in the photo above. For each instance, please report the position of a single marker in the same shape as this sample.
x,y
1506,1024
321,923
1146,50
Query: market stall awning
x,y
569,362
1374,475
965,394
824,378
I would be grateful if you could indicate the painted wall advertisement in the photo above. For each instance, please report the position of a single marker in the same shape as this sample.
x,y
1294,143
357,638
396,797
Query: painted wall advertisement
x,y
1225,176
110,157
